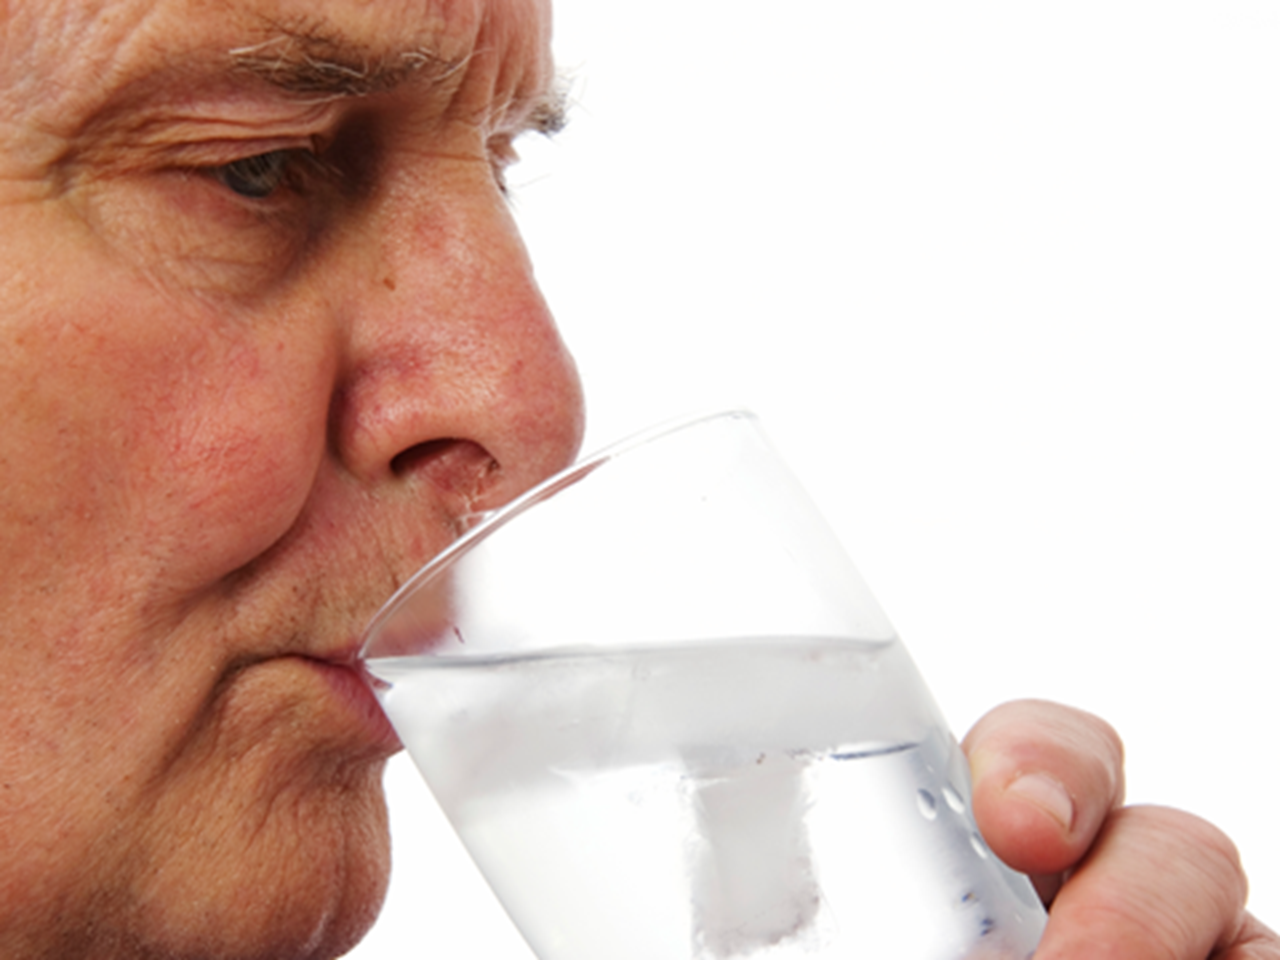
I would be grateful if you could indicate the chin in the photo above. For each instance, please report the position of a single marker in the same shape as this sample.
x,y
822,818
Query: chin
x,y
303,881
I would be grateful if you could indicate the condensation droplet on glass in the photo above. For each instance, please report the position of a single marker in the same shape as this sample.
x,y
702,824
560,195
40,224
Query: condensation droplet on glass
x,y
928,805
979,845
953,799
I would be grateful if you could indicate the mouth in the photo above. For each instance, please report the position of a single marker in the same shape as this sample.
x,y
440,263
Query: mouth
x,y
352,697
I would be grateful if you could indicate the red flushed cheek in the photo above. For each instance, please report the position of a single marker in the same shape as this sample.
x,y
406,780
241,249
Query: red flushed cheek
x,y
233,471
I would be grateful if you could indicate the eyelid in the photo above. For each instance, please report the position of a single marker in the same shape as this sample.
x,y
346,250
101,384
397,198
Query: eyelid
x,y
500,148
216,153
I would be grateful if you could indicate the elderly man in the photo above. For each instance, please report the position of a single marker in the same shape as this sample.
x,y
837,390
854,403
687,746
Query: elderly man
x,y
268,332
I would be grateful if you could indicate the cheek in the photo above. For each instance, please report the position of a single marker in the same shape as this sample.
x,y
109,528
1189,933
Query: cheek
x,y
154,441
230,463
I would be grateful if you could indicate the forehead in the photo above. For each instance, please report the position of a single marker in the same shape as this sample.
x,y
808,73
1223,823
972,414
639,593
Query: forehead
x,y
85,52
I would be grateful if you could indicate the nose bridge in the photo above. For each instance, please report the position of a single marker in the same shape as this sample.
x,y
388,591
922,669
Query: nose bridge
x,y
450,342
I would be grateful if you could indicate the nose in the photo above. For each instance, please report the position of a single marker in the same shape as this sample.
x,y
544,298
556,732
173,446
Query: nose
x,y
454,374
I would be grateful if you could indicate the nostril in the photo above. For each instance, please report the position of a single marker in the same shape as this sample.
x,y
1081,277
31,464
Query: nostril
x,y
406,460
457,467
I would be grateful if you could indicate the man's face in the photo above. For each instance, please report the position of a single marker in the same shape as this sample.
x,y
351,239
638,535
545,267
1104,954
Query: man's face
x,y
267,332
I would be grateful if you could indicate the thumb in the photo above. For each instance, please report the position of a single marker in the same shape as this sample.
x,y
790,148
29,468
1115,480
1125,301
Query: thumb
x,y
1045,778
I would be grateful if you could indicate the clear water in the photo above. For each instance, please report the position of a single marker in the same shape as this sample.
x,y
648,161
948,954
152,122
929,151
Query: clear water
x,y
764,799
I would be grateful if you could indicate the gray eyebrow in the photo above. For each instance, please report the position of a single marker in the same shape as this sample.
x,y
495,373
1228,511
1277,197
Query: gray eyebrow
x,y
311,64
550,113
308,62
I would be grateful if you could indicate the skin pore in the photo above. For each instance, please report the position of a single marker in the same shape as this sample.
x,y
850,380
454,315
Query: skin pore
x,y
270,333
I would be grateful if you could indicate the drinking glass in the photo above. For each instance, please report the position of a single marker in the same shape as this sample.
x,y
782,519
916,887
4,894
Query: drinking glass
x,y
669,721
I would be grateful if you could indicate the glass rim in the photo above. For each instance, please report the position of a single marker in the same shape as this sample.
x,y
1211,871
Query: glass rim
x,y
486,523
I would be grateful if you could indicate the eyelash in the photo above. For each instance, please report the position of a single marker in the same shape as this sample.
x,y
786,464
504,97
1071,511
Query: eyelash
x,y
502,156
297,169
260,176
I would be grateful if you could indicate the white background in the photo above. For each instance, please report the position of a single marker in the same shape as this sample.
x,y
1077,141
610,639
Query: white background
x,y
1001,280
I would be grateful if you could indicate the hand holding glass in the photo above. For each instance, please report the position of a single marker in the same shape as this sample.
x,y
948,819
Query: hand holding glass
x,y
669,721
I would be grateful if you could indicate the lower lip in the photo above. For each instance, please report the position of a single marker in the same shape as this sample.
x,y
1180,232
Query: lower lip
x,y
349,683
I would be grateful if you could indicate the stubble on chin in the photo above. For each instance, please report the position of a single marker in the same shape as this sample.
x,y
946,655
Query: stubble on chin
x,y
259,854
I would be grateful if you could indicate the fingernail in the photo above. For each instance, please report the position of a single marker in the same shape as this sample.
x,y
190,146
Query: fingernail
x,y
1047,794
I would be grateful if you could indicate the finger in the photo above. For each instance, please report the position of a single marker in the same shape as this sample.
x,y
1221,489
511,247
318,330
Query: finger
x,y
1254,942
1158,884
1045,777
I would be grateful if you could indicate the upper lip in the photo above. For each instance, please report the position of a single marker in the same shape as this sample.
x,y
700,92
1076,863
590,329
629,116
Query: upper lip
x,y
320,646
346,655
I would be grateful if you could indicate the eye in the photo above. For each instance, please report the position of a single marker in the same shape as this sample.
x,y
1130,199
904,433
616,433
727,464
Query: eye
x,y
257,176
502,155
